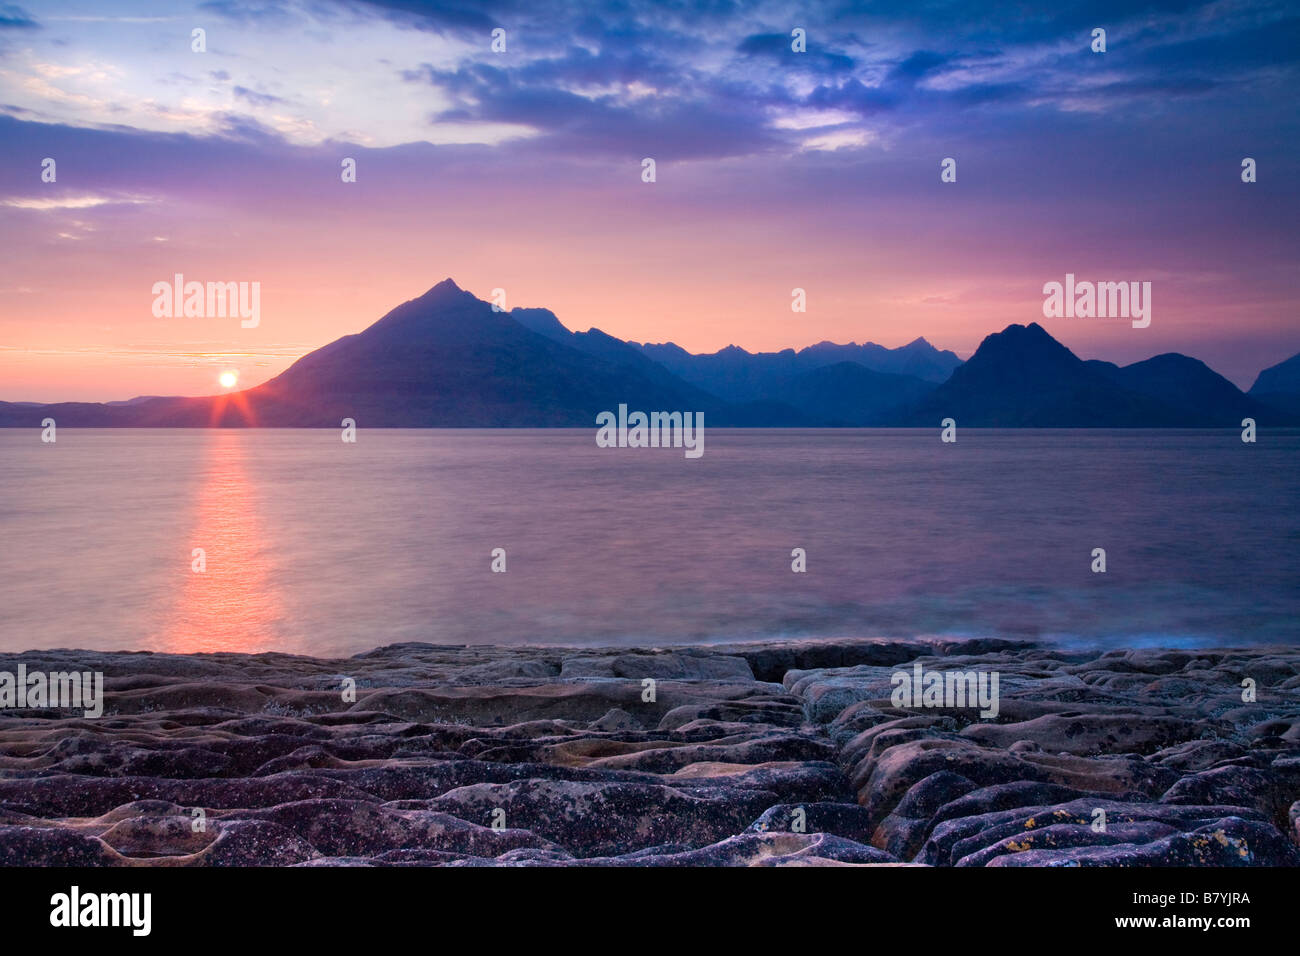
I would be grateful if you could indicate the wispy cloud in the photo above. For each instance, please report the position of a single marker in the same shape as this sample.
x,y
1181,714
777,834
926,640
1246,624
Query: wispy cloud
x,y
52,203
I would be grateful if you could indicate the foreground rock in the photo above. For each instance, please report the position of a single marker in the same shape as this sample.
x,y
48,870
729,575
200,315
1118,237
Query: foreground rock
x,y
744,755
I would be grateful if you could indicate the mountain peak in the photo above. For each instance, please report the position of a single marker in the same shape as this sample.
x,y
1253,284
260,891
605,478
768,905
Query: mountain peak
x,y
1030,349
445,294
444,291
1033,335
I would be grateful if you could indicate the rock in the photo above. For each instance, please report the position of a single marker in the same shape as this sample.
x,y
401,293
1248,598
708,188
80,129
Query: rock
x,y
956,838
661,666
838,819
709,773
616,719
1226,842
52,846
156,836
1089,733
1067,836
255,843
1270,791
355,828
1197,755
903,832
589,819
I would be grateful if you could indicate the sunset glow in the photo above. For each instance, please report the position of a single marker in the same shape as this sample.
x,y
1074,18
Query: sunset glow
x,y
228,379
776,171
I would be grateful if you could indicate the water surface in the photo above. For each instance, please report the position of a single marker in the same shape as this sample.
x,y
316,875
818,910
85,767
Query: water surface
x,y
317,546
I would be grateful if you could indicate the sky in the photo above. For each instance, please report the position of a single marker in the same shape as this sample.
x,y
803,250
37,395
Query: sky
x,y
522,169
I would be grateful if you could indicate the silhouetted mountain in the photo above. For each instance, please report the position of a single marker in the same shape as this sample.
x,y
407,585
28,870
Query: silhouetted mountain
x,y
137,400
624,356
447,359
1279,386
740,376
1023,377
760,412
917,359
1186,384
848,394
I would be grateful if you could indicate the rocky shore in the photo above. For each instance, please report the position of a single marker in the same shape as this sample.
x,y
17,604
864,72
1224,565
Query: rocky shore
x,y
737,755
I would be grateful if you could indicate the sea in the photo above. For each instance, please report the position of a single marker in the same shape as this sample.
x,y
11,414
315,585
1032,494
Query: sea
x,y
252,540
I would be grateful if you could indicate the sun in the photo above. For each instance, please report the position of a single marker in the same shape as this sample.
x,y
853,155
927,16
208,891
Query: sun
x,y
228,379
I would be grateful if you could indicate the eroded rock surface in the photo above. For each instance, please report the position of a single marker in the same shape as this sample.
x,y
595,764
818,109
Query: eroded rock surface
x,y
740,755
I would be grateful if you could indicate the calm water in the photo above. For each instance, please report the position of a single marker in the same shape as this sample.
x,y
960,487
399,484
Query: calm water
x,y
317,546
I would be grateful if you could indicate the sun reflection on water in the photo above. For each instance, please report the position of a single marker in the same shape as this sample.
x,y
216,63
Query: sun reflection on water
x,y
232,605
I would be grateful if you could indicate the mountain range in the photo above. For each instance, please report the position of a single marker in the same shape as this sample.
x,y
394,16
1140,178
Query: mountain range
x,y
449,359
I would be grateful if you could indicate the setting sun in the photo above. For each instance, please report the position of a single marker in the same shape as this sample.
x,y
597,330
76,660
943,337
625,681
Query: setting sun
x,y
228,379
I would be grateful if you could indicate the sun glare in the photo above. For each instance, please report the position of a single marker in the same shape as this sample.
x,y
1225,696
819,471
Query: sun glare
x,y
228,379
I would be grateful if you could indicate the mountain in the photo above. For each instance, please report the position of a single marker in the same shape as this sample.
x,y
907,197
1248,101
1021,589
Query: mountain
x,y
918,358
1022,377
1186,383
1279,386
445,359
136,401
543,322
740,376
848,394
759,411
448,359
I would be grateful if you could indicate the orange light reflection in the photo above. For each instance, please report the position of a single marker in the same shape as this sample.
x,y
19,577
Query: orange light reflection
x,y
232,606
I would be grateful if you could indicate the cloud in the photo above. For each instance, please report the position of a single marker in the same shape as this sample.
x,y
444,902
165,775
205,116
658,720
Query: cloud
x,y
264,13
438,16
687,80
626,120
85,201
776,47
919,65
257,99
13,17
